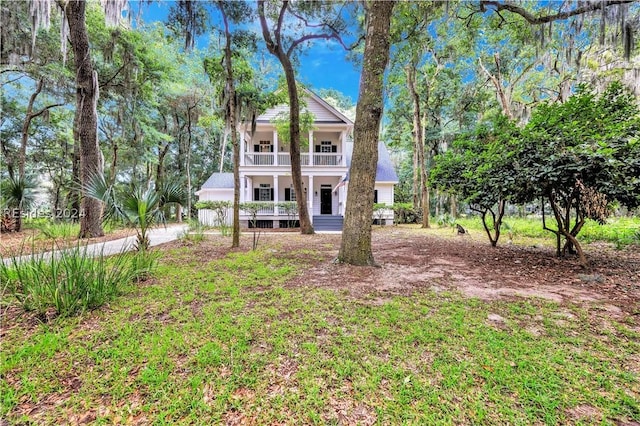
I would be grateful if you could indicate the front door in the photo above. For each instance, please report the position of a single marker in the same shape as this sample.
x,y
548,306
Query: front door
x,y
325,201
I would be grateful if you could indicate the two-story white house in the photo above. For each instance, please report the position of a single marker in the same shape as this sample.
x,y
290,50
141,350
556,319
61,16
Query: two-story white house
x,y
265,171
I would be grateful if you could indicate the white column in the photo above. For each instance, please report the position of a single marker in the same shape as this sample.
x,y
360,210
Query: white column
x,y
275,147
310,198
242,134
343,136
275,194
310,149
242,187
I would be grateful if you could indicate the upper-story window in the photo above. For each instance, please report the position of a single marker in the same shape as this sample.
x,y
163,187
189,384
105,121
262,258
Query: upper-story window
x,y
263,146
326,147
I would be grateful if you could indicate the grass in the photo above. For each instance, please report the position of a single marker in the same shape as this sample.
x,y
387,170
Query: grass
x,y
226,340
619,231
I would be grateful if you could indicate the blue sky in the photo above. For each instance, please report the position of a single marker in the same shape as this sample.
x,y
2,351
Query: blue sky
x,y
322,66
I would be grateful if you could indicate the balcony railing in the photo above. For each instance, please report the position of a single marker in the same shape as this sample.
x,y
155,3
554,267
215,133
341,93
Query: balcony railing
x,y
327,159
270,208
284,159
259,159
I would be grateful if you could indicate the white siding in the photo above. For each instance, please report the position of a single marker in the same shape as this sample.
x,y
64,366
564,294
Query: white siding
x,y
222,194
385,193
385,196
210,218
272,113
319,111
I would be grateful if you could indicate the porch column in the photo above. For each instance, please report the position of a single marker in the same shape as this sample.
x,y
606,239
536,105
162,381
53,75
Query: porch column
x,y
242,144
275,193
243,184
310,198
310,149
343,137
275,147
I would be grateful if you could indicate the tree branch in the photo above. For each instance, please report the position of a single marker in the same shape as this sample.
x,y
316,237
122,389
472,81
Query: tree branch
x,y
302,39
271,46
39,113
106,83
536,20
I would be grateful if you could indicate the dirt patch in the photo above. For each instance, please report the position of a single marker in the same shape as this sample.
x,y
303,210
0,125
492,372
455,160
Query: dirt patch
x,y
413,260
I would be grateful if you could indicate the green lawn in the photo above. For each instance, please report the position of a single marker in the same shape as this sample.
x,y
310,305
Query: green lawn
x,y
618,231
229,340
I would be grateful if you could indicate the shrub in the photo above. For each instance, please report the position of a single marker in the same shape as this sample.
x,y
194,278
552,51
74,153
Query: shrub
x,y
69,282
405,213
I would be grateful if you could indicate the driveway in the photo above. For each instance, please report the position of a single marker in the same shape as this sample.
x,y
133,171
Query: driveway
x,y
156,236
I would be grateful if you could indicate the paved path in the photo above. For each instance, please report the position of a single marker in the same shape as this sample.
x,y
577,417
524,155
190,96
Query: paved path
x,y
156,236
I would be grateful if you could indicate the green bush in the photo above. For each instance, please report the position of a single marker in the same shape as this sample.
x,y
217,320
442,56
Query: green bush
x,y
70,282
405,213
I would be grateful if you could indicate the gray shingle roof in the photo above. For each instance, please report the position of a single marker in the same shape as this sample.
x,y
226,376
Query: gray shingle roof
x,y
219,181
385,172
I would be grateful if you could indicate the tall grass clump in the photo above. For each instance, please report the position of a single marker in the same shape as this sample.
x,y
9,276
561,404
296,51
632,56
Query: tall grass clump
x,y
143,264
195,231
69,282
60,230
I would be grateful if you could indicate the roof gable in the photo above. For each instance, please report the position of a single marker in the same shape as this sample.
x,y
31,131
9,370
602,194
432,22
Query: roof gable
x,y
322,111
219,181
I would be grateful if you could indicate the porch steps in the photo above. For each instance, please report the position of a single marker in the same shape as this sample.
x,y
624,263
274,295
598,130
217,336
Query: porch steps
x,y
327,223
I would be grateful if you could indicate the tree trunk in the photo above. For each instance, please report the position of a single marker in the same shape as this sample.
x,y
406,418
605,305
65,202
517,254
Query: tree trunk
x,y
162,153
22,157
74,193
232,124
294,136
416,178
503,98
87,117
277,49
418,143
453,206
355,248
188,159
114,162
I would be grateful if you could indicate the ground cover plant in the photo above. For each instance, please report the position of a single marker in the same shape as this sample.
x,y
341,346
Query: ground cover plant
x,y
446,331
71,281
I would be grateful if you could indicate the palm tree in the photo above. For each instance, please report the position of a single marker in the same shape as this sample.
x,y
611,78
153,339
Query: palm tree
x,y
141,207
17,194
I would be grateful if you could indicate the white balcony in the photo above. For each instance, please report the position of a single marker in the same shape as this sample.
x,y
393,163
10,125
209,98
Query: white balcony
x,y
284,159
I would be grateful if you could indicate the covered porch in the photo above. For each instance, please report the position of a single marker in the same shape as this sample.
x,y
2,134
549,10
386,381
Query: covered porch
x,y
274,198
322,148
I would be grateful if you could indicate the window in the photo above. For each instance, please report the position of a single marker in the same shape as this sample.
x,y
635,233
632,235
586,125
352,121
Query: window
x,y
325,146
289,194
265,146
264,192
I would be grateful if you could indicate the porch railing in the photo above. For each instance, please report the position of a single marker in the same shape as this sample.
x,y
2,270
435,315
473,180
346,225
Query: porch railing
x,y
259,159
284,159
327,159
271,208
